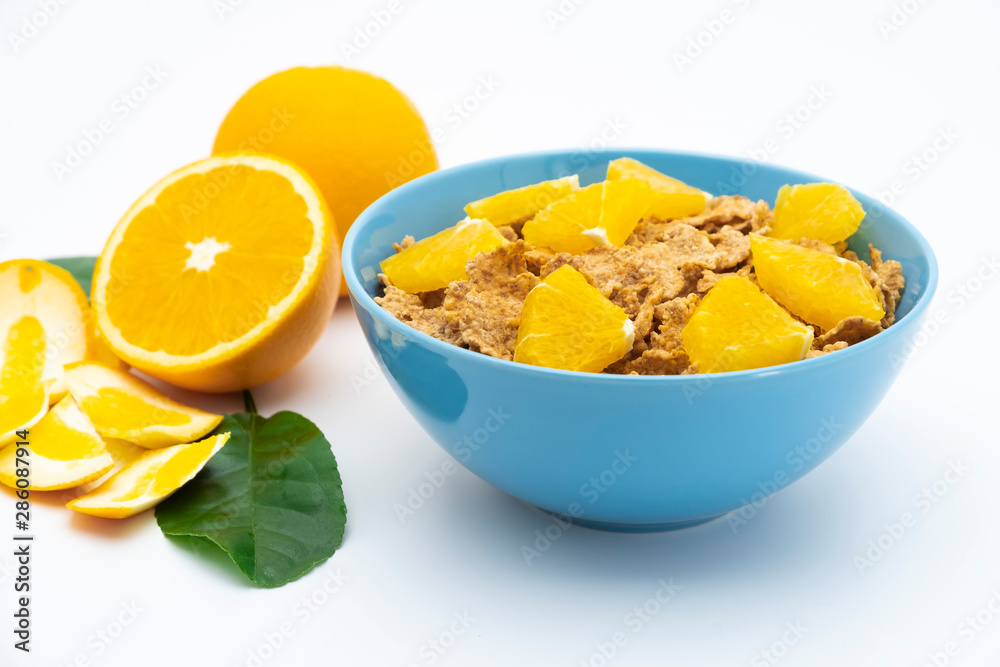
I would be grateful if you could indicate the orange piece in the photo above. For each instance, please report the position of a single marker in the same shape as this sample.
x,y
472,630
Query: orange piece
x,y
51,295
148,479
222,276
672,198
122,406
820,288
737,327
355,134
824,211
23,397
598,215
561,226
522,203
64,451
567,323
433,262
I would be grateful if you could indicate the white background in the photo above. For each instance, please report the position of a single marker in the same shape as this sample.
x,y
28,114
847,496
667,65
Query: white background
x,y
887,94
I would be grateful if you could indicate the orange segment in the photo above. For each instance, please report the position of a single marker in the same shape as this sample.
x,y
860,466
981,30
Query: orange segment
x,y
52,296
599,214
122,453
561,225
737,327
823,211
623,204
672,198
433,262
567,323
148,479
64,451
23,398
522,203
222,276
820,288
122,406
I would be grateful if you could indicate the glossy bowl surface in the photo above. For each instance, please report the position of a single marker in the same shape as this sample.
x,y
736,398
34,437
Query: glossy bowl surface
x,y
625,452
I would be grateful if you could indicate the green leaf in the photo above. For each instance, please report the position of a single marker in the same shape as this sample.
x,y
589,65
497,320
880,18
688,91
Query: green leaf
x,y
82,269
271,498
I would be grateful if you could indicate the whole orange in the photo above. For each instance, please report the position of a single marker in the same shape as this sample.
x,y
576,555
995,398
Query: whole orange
x,y
355,134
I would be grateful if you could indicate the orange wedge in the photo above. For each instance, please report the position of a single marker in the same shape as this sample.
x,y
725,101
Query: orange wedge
x,y
672,198
824,211
23,398
737,327
567,323
561,225
598,215
222,276
623,204
433,262
52,296
522,203
148,479
64,451
821,288
122,406
122,453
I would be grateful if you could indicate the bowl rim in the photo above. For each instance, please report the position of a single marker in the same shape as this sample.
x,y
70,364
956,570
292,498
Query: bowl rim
x,y
359,294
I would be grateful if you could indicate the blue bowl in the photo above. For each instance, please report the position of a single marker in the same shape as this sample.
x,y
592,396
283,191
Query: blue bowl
x,y
629,453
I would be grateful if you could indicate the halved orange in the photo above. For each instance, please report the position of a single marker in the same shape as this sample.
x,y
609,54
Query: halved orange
x,y
433,262
821,288
567,323
51,295
222,276
355,134
737,327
